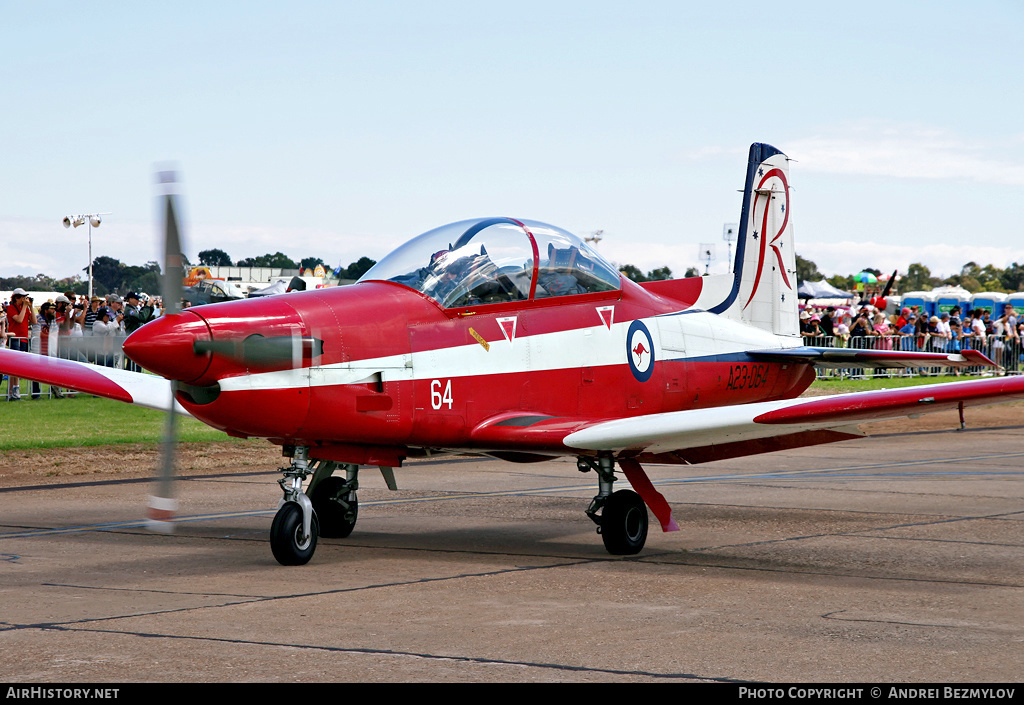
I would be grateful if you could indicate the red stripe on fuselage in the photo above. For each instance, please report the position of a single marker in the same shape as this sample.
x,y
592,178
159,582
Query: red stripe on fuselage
x,y
444,412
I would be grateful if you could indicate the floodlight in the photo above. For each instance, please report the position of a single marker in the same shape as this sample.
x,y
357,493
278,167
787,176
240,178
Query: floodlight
x,y
94,221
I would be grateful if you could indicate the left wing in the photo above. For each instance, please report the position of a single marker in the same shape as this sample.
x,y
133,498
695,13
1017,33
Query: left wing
x,y
145,390
702,435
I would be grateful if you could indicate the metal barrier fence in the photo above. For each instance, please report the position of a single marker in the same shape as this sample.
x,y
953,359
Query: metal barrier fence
x,y
1005,351
95,349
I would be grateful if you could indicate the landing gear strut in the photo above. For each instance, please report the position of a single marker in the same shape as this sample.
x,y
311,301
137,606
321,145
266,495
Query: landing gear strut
x,y
621,517
329,510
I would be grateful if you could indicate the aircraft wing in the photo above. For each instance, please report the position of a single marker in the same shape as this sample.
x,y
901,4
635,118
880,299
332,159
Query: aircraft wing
x,y
836,358
731,431
702,435
145,390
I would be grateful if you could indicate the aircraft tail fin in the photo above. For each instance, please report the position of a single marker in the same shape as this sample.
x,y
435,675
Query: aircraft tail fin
x,y
762,289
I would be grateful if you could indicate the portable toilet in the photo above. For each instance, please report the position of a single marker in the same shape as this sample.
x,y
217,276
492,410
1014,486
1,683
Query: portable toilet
x,y
1017,301
992,301
946,297
924,299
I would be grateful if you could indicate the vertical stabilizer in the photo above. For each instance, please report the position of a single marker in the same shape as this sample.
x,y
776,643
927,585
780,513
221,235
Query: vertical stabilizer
x,y
763,291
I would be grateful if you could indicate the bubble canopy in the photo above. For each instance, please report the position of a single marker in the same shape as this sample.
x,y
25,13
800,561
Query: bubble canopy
x,y
496,260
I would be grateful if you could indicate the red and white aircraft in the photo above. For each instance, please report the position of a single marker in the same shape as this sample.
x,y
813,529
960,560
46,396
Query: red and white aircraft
x,y
514,339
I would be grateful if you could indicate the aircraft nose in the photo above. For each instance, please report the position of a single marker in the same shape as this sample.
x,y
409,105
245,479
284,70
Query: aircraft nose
x,y
166,346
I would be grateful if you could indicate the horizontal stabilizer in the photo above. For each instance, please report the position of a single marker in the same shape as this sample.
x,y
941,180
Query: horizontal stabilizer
x,y
849,358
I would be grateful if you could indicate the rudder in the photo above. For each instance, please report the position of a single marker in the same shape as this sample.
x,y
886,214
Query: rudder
x,y
763,291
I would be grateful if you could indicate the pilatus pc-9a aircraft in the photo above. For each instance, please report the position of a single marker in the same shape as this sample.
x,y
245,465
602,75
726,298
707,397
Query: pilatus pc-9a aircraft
x,y
513,339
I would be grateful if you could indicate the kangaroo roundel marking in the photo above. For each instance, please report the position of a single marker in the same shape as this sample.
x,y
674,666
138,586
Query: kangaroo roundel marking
x,y
640,351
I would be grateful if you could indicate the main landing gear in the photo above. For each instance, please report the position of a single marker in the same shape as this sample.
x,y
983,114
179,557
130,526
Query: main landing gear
x,y
330,509
621,516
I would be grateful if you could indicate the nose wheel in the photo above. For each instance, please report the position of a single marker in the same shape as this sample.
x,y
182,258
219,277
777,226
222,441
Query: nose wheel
x,y
290,543
295,528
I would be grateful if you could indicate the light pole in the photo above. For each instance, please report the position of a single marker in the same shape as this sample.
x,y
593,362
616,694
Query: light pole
x,y
94,221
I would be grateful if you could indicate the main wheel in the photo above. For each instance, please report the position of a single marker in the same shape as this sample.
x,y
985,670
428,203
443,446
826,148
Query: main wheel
x,y
286,536
336,520
624,523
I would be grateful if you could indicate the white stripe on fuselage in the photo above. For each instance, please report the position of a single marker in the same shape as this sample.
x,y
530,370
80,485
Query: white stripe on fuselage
x,y
597,346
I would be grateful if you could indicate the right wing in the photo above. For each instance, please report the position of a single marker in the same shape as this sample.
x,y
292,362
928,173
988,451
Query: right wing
x,y
145,390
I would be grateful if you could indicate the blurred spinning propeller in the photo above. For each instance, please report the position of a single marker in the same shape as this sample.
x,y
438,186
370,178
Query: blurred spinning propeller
x,y
162,504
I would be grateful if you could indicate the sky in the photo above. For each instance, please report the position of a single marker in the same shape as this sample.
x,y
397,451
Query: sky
x,y
341,129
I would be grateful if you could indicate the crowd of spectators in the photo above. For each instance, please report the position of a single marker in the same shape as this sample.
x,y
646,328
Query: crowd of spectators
x,y
73,327
865,326
91,330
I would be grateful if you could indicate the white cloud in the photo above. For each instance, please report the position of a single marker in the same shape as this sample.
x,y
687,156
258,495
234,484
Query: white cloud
x,y
908,151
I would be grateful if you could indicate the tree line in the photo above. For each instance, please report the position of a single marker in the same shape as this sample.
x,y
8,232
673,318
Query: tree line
x,y
219,258
111,276
661,273
972,277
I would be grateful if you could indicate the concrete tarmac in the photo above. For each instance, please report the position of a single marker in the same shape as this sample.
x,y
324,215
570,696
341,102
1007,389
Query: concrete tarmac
x,y
889,559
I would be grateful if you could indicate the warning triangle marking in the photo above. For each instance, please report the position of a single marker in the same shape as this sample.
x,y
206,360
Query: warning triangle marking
x,y
607,314
508,327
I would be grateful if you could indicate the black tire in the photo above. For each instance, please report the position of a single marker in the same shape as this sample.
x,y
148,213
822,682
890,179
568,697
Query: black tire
x,y
335,521
285,535
624,523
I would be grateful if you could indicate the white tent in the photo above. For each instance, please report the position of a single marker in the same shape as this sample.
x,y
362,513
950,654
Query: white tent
x,y
821,290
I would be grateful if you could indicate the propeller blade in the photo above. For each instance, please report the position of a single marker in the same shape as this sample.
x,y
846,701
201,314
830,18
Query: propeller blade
x,y
162,503
174,269
888,284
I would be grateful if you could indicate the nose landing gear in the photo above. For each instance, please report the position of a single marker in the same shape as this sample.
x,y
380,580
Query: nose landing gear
x,y
295,529
329,510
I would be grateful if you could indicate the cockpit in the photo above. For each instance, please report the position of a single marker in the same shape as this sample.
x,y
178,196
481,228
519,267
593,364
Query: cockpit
x,y
496,260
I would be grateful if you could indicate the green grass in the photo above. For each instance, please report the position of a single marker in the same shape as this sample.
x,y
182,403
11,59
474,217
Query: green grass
x,y
835,385
89,421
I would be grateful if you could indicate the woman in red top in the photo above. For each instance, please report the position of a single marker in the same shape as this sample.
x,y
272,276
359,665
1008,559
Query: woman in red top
x,y
19,322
